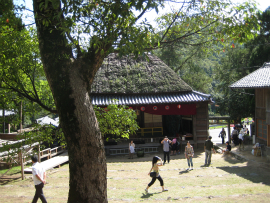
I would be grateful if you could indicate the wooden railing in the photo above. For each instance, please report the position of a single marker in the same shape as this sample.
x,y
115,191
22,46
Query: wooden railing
x,y
151,130
49,153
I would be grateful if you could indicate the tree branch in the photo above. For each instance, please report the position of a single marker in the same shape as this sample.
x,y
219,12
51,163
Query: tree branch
x,y
27,96
77,45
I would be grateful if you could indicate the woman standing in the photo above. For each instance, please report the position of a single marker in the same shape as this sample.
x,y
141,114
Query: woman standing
x,y
155,166
189,153
131,149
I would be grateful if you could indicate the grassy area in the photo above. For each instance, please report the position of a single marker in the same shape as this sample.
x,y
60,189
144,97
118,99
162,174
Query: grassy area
x,y
13,170
218,127
127,179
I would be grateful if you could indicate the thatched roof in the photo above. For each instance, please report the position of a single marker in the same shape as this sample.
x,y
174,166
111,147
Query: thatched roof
x,y
127,75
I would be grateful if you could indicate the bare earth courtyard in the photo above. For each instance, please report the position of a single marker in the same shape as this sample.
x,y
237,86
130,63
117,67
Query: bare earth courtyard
x,y
226,180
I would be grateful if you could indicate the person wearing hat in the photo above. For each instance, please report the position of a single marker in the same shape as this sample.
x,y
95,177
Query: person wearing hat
x,y
208,145
166,148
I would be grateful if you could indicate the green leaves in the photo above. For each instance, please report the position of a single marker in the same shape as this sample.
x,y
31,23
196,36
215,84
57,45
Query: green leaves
x,y
21,71
116,120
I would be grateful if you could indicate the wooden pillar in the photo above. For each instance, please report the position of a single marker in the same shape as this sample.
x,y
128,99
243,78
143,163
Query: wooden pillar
x,y
194,121
8,128
267,105
229,131
268,135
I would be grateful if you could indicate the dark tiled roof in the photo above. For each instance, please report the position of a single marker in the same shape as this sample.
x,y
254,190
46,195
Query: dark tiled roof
x,y
257,79
128,75
159,98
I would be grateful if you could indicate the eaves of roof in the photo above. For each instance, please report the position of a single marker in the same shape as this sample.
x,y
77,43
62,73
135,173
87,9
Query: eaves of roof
x,y
143,99
257,79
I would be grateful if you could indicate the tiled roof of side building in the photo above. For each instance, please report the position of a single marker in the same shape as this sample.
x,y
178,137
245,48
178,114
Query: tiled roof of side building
x,y
142,99
257,79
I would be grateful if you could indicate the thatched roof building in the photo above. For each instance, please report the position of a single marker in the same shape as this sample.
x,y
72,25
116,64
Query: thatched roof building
x,y
152,88
137,82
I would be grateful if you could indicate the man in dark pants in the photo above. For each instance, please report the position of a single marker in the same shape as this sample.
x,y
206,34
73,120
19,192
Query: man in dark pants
x,y
39,177
166,148
208,145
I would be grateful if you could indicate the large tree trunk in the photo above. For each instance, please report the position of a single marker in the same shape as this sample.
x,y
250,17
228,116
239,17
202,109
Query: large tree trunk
x,y
70,81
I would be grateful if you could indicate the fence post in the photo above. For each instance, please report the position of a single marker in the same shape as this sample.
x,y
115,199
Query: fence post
x,y
22,166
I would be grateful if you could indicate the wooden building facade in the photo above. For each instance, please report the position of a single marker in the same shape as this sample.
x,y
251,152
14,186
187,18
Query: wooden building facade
x,y
260,81
164,103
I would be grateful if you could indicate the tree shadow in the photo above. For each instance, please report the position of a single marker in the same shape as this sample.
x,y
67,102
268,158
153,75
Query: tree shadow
x,y
254,174
5,180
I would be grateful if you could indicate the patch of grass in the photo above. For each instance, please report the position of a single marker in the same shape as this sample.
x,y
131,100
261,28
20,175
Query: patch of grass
x,y
13,170
218,127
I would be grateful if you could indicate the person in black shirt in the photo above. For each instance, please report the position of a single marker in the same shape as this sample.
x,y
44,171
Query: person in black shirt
x,y
228,148
208,145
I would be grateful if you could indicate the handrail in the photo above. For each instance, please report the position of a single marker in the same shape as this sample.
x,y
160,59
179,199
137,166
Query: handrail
x,y
49,153
144,130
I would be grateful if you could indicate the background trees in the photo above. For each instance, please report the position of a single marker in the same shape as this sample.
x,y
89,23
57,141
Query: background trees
x,y
238,63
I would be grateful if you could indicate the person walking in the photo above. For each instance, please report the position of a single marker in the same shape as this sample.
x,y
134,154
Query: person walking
x,y
155,168
166,148
39,177
208,145
189,153
131,149
222,134
241,139
235,136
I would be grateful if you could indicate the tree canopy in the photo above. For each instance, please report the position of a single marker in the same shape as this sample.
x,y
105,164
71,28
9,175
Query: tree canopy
x,y
238,63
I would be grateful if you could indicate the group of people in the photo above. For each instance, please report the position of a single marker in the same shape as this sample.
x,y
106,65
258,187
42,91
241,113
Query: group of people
x,y
189,154
238,136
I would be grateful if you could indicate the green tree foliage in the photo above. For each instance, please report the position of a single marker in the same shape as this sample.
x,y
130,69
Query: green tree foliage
x,y
116,120
207,28
238,63
21,72
237,104
259,47
21,69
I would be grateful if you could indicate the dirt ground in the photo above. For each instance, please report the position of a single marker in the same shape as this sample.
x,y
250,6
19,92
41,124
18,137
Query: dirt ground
x,y
227,179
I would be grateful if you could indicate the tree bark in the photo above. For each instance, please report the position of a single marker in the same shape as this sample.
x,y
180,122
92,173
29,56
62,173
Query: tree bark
x,y
70,81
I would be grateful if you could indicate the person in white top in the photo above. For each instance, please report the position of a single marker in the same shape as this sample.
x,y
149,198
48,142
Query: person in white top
x,y
241,139
131,149
39,177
